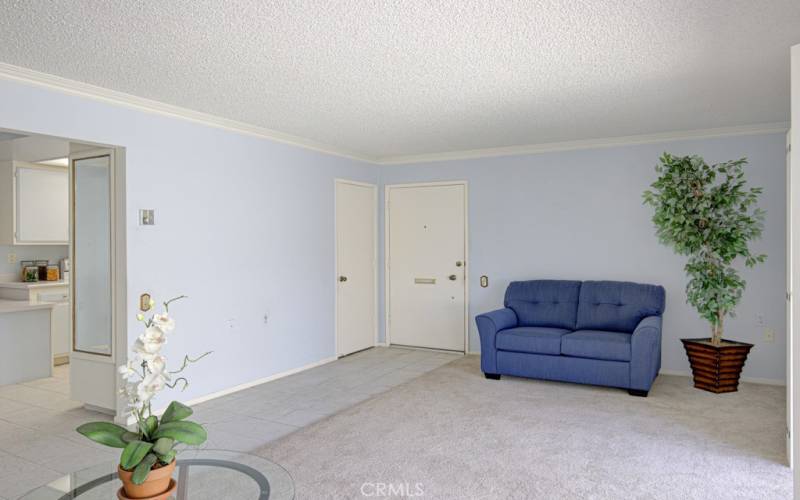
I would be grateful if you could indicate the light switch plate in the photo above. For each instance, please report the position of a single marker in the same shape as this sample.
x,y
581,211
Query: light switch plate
x,y
147,217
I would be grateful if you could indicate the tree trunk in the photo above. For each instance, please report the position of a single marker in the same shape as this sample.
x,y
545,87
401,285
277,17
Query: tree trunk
x,y
716,329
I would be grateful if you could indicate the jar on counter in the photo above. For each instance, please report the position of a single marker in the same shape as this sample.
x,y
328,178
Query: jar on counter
x,y
30,274
25,264
42,268
52,273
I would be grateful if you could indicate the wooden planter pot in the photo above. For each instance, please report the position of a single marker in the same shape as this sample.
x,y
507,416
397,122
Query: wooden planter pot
x,y
716,368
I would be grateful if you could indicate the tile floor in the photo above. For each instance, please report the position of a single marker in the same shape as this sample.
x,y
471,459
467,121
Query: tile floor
x,y
38,442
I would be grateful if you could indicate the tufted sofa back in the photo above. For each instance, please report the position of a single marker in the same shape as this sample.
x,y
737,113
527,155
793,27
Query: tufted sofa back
x,y
617,305
551,303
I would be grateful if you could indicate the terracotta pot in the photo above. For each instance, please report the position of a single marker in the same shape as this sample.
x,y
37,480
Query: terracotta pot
x,y
716,368
158,484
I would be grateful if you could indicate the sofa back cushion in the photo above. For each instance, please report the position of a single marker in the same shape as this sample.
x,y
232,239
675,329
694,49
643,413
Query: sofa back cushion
x,y
551,303
617,306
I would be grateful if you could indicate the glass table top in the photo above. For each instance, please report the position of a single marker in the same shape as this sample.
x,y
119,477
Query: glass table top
x,y
200,474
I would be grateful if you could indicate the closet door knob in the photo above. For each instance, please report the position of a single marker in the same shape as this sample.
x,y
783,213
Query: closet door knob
x,y
342,278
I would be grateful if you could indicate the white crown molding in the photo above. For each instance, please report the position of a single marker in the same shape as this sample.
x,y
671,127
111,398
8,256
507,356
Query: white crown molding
x,y
73,87
608,142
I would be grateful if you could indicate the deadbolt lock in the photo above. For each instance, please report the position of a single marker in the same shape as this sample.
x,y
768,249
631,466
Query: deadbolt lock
x,y
459,263
452,277
342,278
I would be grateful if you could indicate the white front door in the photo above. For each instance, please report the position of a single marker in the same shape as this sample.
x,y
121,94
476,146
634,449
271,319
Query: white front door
x,y
355,266
426,264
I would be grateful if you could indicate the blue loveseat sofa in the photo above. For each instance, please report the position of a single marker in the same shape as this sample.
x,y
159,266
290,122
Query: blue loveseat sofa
x,y
591,332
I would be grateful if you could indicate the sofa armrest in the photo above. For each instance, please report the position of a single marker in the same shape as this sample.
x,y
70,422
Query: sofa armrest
x,y
645,353
488,325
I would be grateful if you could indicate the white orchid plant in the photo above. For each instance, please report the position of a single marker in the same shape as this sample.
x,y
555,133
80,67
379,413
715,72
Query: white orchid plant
x,y
153,442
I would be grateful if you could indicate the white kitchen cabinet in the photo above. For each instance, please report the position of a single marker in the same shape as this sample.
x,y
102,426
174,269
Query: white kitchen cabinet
x,y
34,204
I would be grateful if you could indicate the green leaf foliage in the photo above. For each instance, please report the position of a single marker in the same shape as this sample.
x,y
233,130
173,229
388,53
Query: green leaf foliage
x,y
163,445
168,458
131,436
707,213
182,431
104,433
134,453
143,469
176,411
150,425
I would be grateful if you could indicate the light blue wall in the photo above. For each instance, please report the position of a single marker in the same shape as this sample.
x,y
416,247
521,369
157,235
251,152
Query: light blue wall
x,y
244,228
579,215
53,253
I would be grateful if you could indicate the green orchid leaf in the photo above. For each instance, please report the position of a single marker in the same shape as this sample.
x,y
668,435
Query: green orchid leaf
x,y
168,458
104,433
176,411
134,453
182,431
163,445
131,436
150,425
143,469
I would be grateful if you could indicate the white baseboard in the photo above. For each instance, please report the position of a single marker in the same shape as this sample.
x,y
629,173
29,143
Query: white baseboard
x,y
247,385
751,380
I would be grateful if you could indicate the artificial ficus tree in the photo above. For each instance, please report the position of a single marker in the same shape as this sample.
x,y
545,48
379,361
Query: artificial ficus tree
x,y
707,213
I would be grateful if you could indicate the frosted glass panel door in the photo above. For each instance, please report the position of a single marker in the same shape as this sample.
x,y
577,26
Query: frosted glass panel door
x,y
91,258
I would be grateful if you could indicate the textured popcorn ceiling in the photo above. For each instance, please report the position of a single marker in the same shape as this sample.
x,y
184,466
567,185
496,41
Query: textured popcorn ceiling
x,y
409,77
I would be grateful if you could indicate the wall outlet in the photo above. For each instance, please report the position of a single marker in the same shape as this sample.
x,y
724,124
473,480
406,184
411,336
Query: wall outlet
x,y
231,323
12,258
266,318
769,335
759,320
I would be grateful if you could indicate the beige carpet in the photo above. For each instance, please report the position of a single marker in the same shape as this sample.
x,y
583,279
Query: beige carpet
x,y
452,434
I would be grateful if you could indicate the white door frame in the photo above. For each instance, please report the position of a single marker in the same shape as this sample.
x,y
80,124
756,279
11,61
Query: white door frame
x,y
794,201
789,312
387,257
374,188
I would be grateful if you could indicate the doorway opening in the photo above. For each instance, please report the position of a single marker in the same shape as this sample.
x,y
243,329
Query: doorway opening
x,y
62,273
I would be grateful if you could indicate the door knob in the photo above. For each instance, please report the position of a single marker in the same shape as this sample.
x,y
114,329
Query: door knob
x,y
342,278
452,277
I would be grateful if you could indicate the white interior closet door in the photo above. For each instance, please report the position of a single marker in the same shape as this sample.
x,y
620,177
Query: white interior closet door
x,y
356,250
426,265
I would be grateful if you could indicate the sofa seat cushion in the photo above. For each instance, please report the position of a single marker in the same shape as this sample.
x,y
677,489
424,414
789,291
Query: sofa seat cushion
x,y
597,344
531,339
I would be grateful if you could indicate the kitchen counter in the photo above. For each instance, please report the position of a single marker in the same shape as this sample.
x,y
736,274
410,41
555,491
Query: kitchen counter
x,y
34,284
10,306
